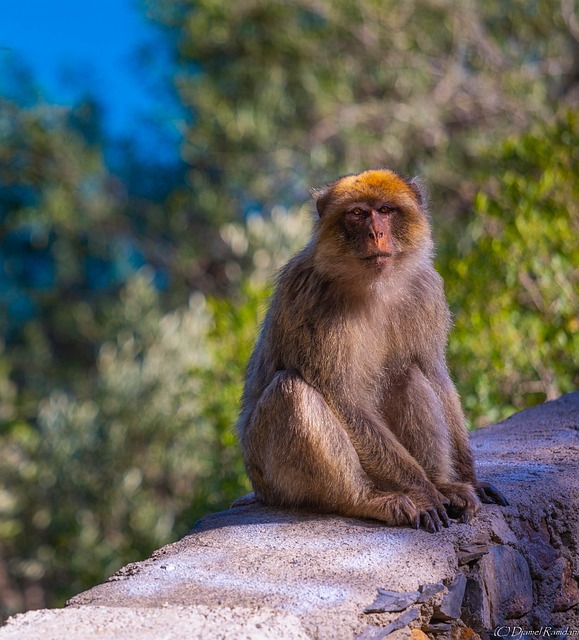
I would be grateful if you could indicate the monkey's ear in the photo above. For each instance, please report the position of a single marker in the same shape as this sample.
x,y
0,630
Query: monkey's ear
x,y
322,195
419,190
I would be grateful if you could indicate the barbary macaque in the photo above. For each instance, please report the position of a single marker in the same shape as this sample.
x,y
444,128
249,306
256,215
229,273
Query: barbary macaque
x,y
348,405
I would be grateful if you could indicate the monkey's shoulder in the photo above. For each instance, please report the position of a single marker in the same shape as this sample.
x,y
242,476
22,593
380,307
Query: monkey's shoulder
x,y
301,288
423,283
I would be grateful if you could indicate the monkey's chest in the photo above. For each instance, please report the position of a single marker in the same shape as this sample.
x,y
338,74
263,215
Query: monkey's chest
x,y
352,353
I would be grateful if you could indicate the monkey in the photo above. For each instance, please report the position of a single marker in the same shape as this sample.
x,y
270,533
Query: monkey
x,y
348,405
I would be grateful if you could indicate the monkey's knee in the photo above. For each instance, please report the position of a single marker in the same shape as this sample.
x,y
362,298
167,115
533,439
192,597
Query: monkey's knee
x,y
287,386
279,444
416,380
289,399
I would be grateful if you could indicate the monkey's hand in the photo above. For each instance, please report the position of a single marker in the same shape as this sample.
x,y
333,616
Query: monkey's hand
x,y
462,500
430,511
490,494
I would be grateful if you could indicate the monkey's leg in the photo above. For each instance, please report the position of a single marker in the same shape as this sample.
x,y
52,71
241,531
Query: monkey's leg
x,y
416,414
298,454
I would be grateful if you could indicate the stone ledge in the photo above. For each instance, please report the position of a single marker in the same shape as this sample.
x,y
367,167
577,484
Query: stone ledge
x,y
256,572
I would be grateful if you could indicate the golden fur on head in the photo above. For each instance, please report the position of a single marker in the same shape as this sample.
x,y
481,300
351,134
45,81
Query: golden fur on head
x,y
368,186
410,230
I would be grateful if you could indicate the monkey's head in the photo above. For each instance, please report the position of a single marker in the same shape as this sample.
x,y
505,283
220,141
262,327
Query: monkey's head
x,y
373,221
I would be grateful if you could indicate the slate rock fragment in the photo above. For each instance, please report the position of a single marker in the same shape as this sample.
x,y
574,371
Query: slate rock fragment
x,y
391,601
471,552
449,608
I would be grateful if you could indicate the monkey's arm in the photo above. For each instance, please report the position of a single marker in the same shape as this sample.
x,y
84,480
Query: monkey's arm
x,y
439,378
388,463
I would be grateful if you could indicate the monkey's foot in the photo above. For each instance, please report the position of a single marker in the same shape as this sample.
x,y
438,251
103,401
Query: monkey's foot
x,y
394,509
489,494
462,501
248,498
430,512
398,510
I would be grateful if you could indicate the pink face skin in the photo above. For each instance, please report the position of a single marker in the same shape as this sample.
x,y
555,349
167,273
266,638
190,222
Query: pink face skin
x,y
367,226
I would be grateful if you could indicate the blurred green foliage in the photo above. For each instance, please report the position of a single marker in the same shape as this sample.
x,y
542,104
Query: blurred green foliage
x,y
131,293
55,209
286,95
513,279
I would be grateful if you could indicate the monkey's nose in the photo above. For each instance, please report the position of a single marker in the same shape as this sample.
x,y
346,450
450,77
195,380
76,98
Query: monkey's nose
x,y
375,236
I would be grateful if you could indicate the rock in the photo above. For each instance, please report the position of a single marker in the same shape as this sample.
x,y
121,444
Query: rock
x,y
371,632
501,533
417,634
387,601
464,633
508,583
568,593
538,542
471,552
451,604
427,591
401,622
476,607
438,627
374,632
499,589
154,623
319,568
392,601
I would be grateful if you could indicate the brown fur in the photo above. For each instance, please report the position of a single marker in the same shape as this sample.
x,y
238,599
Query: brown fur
x,y
348,405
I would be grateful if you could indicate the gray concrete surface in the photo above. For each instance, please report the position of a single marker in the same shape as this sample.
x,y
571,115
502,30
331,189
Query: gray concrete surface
x,y
164,623
256,572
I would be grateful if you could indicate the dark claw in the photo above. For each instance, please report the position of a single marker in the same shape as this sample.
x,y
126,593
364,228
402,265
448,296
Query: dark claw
x,y
434,515
444,517
426,522
466,516
489,494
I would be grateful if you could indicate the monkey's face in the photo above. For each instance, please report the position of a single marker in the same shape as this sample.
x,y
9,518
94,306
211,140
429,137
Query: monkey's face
x,y
372,220
369,231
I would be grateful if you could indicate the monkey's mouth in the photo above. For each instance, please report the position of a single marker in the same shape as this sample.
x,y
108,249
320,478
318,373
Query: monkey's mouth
x,y
377,258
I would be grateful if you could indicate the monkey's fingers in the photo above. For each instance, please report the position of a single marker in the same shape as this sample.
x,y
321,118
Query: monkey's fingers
x,y
431,520
427,522
439,516
443,499
489,494
443,516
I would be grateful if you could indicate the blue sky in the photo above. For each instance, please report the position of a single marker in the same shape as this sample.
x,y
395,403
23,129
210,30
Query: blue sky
x,y
93,41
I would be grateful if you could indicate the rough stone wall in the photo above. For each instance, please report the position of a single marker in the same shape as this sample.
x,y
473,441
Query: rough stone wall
x,y
529,578
255,572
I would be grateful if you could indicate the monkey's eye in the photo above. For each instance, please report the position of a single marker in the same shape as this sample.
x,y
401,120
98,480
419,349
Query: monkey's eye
x,y
385,209
357,211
